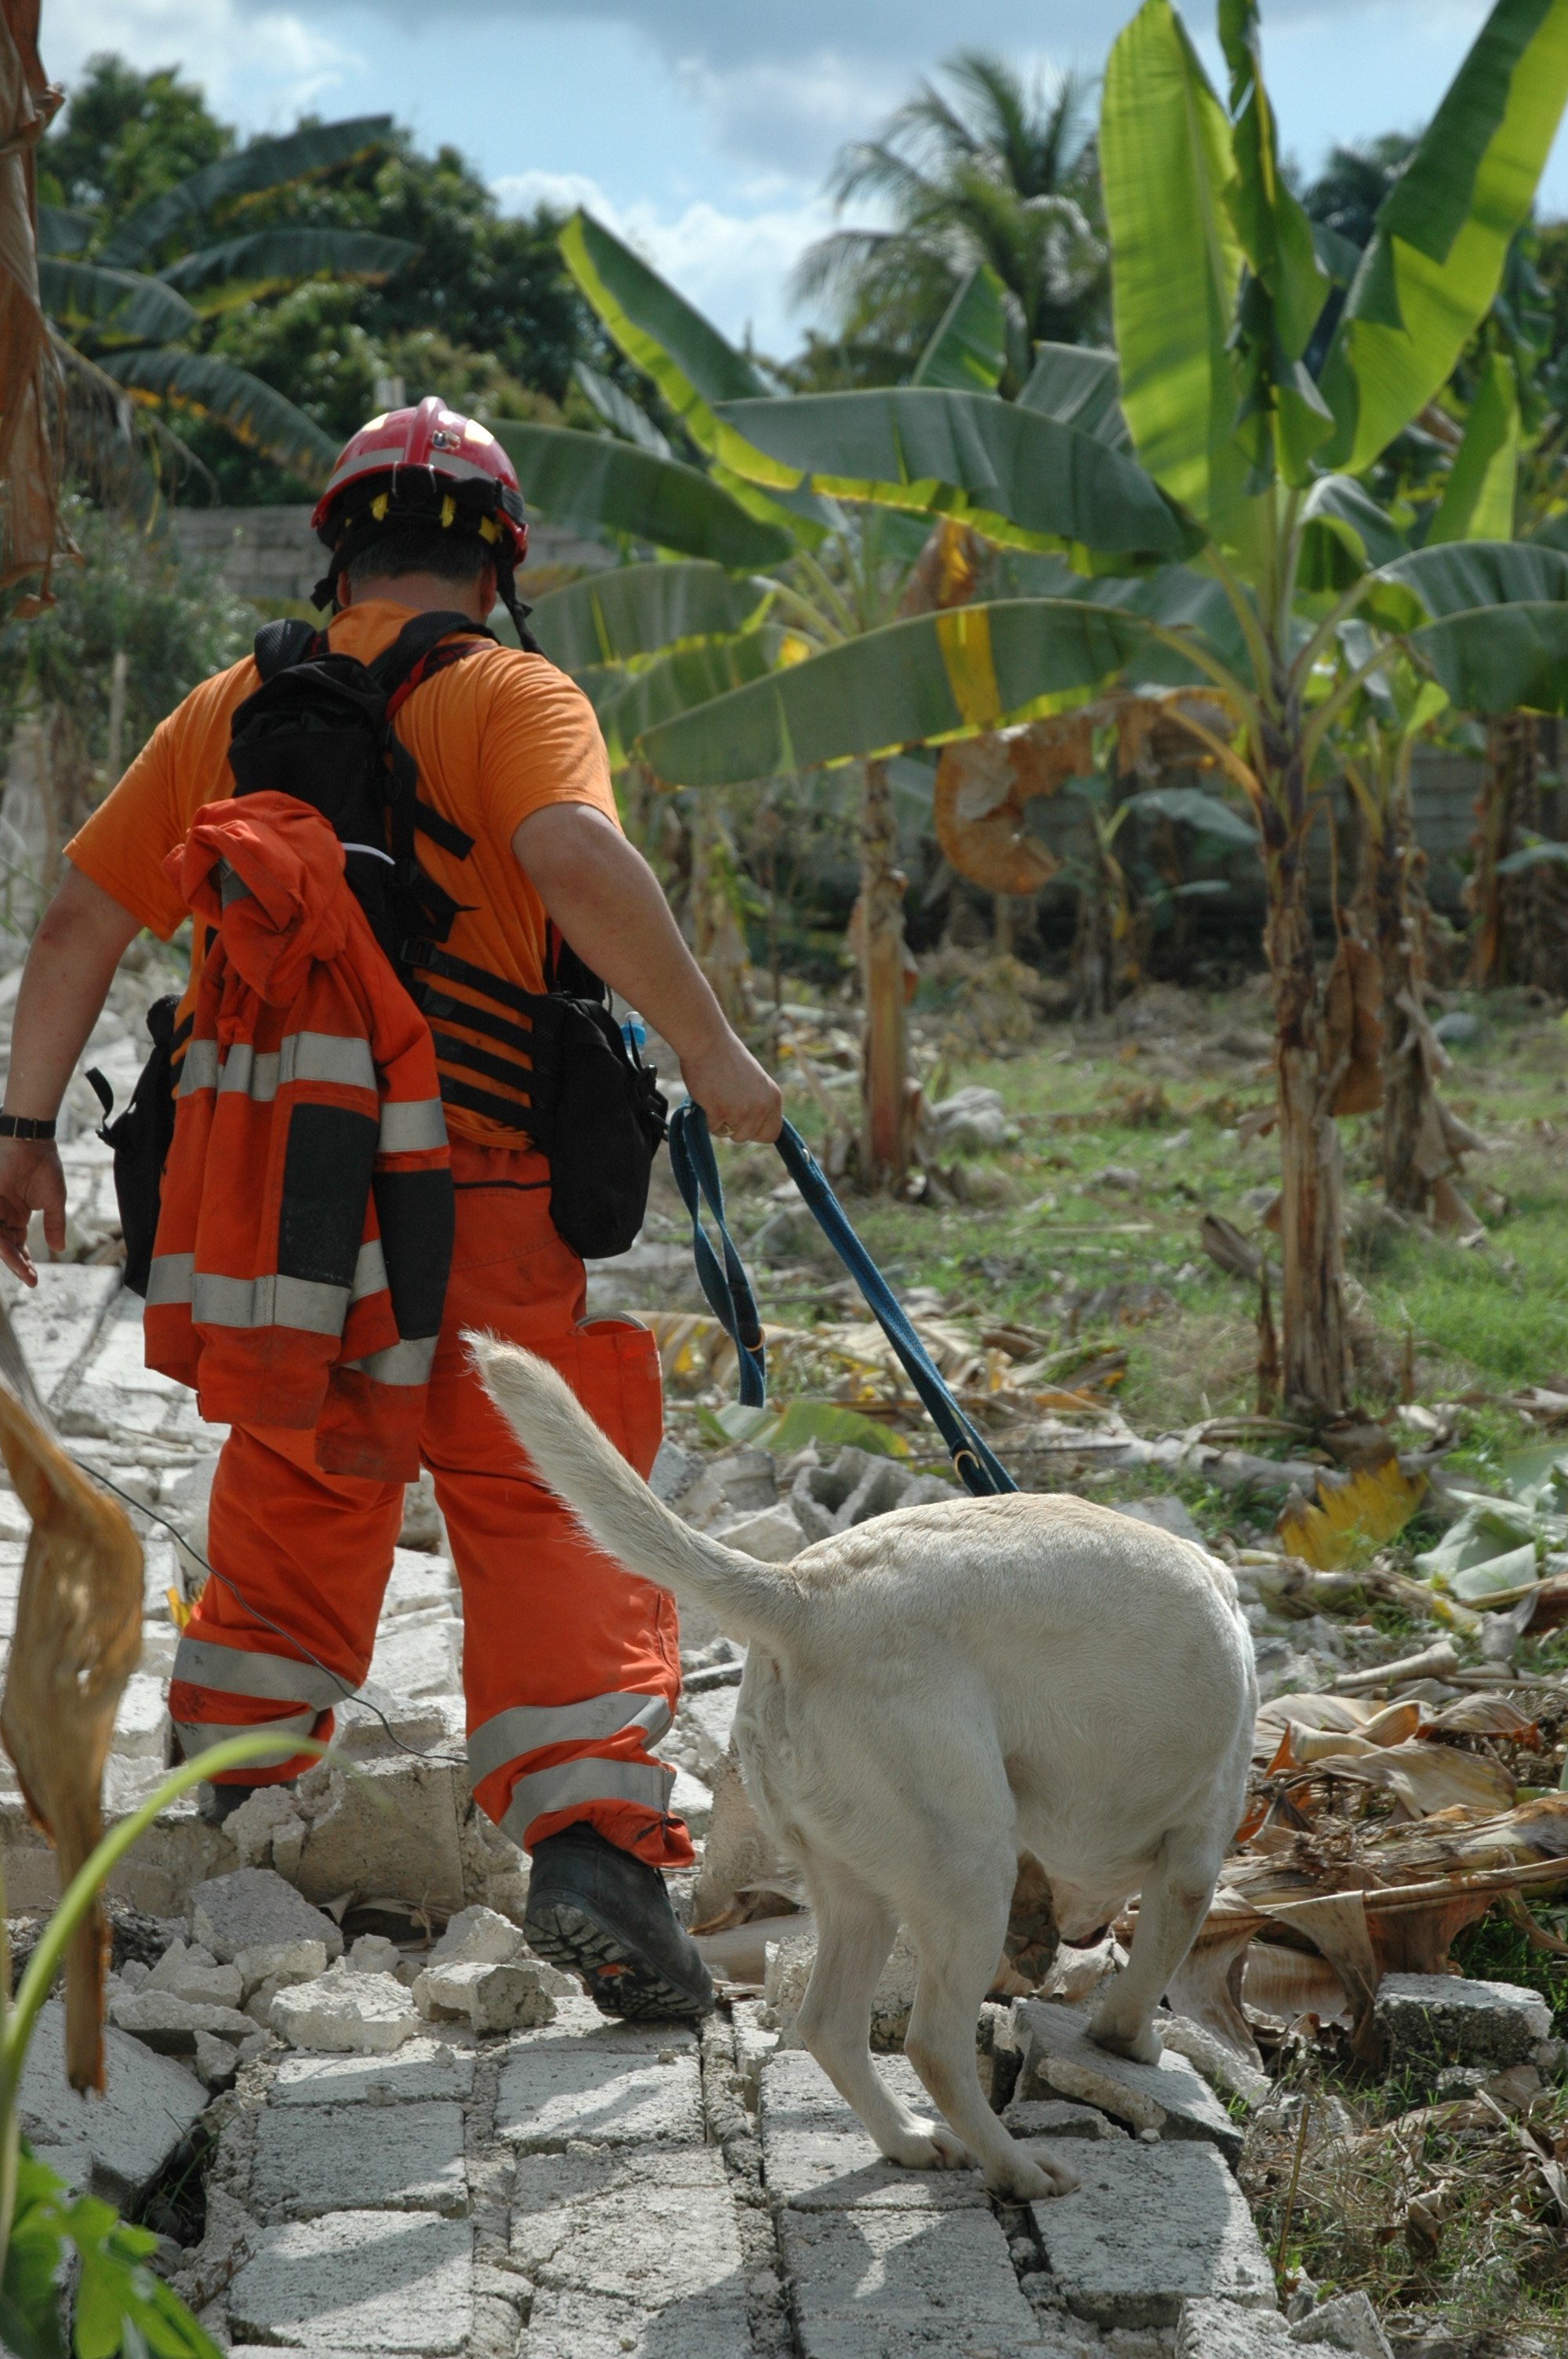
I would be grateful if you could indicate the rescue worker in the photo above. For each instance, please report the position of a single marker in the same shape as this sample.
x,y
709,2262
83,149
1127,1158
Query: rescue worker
x,y
571,1667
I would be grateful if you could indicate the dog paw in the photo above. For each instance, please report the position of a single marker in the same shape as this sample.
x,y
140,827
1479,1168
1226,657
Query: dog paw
x,y
927,2147
1139,2043
1032,2178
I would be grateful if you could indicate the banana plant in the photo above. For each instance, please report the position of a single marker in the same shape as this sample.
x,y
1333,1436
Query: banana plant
x,y
843,556
1252,462
129,308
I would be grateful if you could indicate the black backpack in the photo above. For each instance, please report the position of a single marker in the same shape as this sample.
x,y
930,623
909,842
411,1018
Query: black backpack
x,y
319,727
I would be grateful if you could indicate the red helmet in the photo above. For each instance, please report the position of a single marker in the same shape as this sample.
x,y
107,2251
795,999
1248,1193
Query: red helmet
x,y
427,465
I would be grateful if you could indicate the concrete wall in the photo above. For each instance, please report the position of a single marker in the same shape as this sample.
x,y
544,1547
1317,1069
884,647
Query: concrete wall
x,y
272,555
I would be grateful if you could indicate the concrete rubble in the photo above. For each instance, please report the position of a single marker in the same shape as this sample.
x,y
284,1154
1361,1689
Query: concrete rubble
x,y
426,2141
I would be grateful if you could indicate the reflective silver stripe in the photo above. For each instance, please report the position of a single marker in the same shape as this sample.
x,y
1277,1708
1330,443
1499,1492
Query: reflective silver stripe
x,y
300,1302
253,1076
326,1056
240,1670
410,1124
199,1737
303,1056
199,1070
168,1280
370,1271
527,1727
409,1362
572,1782
230,885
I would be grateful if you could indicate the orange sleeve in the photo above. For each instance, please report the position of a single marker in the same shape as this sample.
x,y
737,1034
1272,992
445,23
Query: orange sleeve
x,y
539,743
183,764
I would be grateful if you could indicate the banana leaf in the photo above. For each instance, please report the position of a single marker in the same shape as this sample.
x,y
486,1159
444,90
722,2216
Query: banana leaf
x,y
968,350
1078,387
636,610
239,271
680,681
620,412
1282,419
598,485
1205,813
265,164
1477,501
1442,235
116,305
1014,474
1455,577
933,677
62,230
1499,658
1344,532
255,413
1167,165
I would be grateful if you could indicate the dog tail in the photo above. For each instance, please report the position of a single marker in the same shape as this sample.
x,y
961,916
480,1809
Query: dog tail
x,y
614,1504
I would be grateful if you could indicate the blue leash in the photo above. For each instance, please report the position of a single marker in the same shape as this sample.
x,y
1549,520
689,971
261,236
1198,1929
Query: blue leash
x,y
728,1289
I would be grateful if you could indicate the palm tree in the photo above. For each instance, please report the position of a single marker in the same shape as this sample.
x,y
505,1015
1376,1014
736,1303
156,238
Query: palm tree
x,y
993,169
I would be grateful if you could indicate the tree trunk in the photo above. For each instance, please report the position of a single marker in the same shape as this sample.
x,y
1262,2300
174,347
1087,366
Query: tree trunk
x,y
1314,1349
1398,933
1499,952
884,1151
718,941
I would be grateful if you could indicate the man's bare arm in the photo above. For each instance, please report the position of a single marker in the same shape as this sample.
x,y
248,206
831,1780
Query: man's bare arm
x,y
69,971
607,902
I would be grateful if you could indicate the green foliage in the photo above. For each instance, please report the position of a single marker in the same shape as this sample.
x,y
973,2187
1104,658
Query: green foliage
x,y
127,137
175,623
119,2306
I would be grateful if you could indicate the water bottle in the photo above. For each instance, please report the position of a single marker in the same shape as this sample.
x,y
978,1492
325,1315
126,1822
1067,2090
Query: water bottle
x,y
636,1034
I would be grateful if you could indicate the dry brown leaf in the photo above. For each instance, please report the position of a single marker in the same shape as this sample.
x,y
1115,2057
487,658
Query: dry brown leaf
x,y
983,787
79,1633
1225,1244
1286,1983
1426,1777
30,388
1353,1025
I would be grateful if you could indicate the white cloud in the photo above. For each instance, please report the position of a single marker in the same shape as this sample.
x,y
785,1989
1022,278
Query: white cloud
x,y
265,64
732,265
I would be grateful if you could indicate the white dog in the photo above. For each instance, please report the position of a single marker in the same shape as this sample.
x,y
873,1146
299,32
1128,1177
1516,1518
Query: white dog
x,y
929,1695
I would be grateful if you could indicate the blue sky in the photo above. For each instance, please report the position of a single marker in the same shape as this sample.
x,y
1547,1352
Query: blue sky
x,y
703,128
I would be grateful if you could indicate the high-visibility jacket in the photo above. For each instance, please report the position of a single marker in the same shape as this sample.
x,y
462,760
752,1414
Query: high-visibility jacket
x,y
306,1227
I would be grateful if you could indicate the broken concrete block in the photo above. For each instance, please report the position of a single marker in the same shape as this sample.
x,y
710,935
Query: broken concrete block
x,y
477,1936
1056,2117
420,2070
217,2062
368,2282
647,2249
1221,2067
419,1655
113,2144
692,1802
869,2282
311,2159
787,1971
1170,2097
141,1721
390,1829
193,1973
1425,2020
250,1828
372,1954
611,2084
772,1534
1347,2322
1166,1514
1224,2330
1149,2227
170,2025
280,1963
488,1997
343,2014
240,1912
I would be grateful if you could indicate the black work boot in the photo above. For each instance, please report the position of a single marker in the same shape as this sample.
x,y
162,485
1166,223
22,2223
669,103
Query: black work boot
x,y
604,1915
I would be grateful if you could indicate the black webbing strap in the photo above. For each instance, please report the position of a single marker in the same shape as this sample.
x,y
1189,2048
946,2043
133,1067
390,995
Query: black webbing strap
x,y
724,1283
473,978
729,1293
441,1007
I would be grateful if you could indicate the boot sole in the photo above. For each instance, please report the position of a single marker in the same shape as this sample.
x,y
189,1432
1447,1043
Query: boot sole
x,y
617,1979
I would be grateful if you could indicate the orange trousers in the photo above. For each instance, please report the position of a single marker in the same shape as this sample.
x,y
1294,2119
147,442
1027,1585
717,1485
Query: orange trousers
x,y
571,1667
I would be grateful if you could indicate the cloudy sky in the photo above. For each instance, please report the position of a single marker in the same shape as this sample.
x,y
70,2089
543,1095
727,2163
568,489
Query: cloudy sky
x,y
702,128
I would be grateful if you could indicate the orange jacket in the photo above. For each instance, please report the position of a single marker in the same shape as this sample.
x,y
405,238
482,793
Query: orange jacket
x,y
305,1232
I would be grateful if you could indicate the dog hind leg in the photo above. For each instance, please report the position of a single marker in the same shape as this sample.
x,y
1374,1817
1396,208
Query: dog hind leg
x,y
1172,1905
957,1931
854,1931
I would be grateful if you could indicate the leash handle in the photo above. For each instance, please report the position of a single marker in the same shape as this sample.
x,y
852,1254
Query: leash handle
x,y
724,1283
976,1465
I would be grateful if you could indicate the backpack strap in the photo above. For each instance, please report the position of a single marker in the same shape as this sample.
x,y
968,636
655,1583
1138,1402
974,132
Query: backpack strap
x,y
400,668
279,645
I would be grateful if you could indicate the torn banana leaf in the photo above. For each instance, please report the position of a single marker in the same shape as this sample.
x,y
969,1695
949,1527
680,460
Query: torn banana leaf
x,y
1352,1511
78,1635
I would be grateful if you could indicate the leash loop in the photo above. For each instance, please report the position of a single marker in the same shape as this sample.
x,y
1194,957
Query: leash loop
x,y
729,1291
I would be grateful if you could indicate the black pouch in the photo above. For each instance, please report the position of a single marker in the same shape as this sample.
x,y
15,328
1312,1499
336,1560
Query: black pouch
x,y
606,1124
141,1139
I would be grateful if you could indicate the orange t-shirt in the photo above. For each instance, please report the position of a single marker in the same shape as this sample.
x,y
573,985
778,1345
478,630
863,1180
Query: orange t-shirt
x,y
495,737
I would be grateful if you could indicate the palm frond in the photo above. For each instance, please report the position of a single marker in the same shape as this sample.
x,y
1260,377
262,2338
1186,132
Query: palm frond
x,y
121,454
115,306
241,269
265,164
252,411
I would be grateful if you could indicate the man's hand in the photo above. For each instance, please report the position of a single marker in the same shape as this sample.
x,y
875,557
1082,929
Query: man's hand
x,y
737,1097
32,1182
